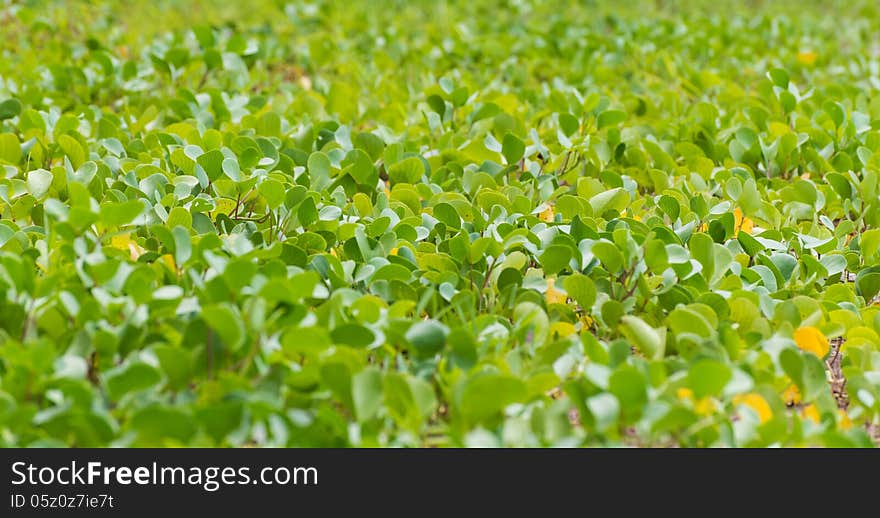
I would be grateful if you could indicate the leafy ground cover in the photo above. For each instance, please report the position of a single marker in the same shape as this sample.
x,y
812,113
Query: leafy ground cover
x,y
439,224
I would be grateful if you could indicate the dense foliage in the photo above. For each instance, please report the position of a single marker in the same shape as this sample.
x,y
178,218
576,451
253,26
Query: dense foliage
x,y
439,224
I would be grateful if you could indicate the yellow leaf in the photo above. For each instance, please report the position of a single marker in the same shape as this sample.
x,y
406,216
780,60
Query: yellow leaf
x,y
792,395
586,321
845,423
552,295
807,57
547,214
810,412
685,394
757,403
741,222
168,259
778,129
704,406
561,329
812,340
120,241
224,206
125,242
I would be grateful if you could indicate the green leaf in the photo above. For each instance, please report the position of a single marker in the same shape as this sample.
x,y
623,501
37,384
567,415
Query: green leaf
x,y
226,322
708,377
868,282
437,104
305,340
366,391
9,108
319,170
702,249
337,376
779,77
814,377
130,377
656,256
427,337
610,118
582,289
836,111
642,335
792,364
230,169
273,192
353,335
220,418
512,148
408,170
39,181
555,258
612,311
630,389
463,349
179,216
212,163
532,323
176,363
670,206
684,320
361,168
182,245
156,422
307,212
10,148
448,215
749,244
115,214
72,149
486,395
85,173
609,255
613,199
